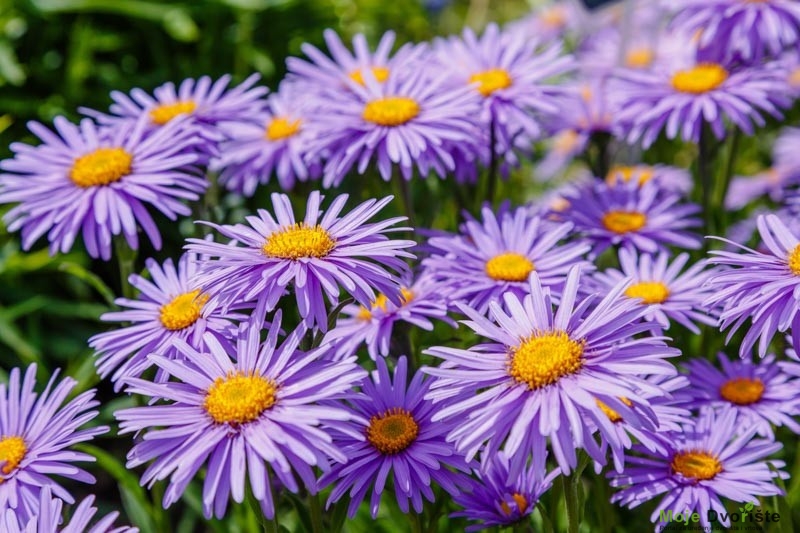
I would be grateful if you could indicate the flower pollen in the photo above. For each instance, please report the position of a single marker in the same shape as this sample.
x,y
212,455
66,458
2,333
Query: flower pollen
x,y
695,464
509,266
12,451
299,241
491,80
544,358
391,111
162,114
642,173
650,292
624,221
281,128
381,74
519,500
393,431
612,415
239,398
700,79
742,391
794,260
103,166
183,310
639,58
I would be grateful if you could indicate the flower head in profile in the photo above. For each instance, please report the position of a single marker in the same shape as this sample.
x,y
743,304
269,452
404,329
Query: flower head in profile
x,y
644,217
682,99
324,252
759,286
719,458
496,498
36,432
763,393
97,183
236,413
170,306
660,283
542,371
393,438
271,143
495,256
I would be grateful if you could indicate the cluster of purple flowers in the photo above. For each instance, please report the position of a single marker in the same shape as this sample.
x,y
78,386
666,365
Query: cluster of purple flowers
x,y
252,350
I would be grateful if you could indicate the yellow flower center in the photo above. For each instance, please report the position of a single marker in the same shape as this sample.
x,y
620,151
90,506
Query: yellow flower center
x,y
565,141
651,292
282,128
164,113
183,310
380,303
391,110
794,78
639,58
381,74
609,412
101,167
642,173
12,451
700,79
393,431
696,464
742,391
299,240
554,17
491,80
509,266
521,502
239,398
624,221
543,358
794,260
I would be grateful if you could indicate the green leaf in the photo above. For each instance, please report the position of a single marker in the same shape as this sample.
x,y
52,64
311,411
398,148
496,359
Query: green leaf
x,y
90,278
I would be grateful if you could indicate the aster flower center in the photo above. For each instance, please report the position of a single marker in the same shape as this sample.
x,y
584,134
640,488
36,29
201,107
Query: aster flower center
x,y
380,303
544,358
565,141
553,17
381,74
651,292
183,310
794,260
700,79
519,500
12,451
794,78
281,128
624,221
695,464
164,113
491,80
509,266
742,391
299,241
639,58
391,111
239,398
627,173
101,167
609,412
393,431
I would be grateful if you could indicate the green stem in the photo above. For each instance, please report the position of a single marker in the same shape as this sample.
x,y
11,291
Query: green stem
x,y
704,173
571,502
415,521
494,163
126,258
724,181
315,508
405,196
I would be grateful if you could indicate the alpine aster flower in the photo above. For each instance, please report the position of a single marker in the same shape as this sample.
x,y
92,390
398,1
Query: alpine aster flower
x,y
270,143
763,394
402,440
318,255
658,284
97,182
497,255
761,287
644,217
171,306
36,433
718,458
236,413
496,498
541,375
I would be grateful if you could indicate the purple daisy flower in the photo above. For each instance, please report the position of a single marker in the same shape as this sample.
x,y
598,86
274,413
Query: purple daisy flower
x,y
497,498
541,374
681,99
36,433
48,518
201,104
402,439
97,182
761,286
659,284
763,394
421,301
719,458
236,413
170,307
492,257
316,256
644,217
742,29
272,143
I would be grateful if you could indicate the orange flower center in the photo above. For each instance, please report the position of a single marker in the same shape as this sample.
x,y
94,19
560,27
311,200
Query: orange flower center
x,y
164,113
696,464
393,431
742,391
103,166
